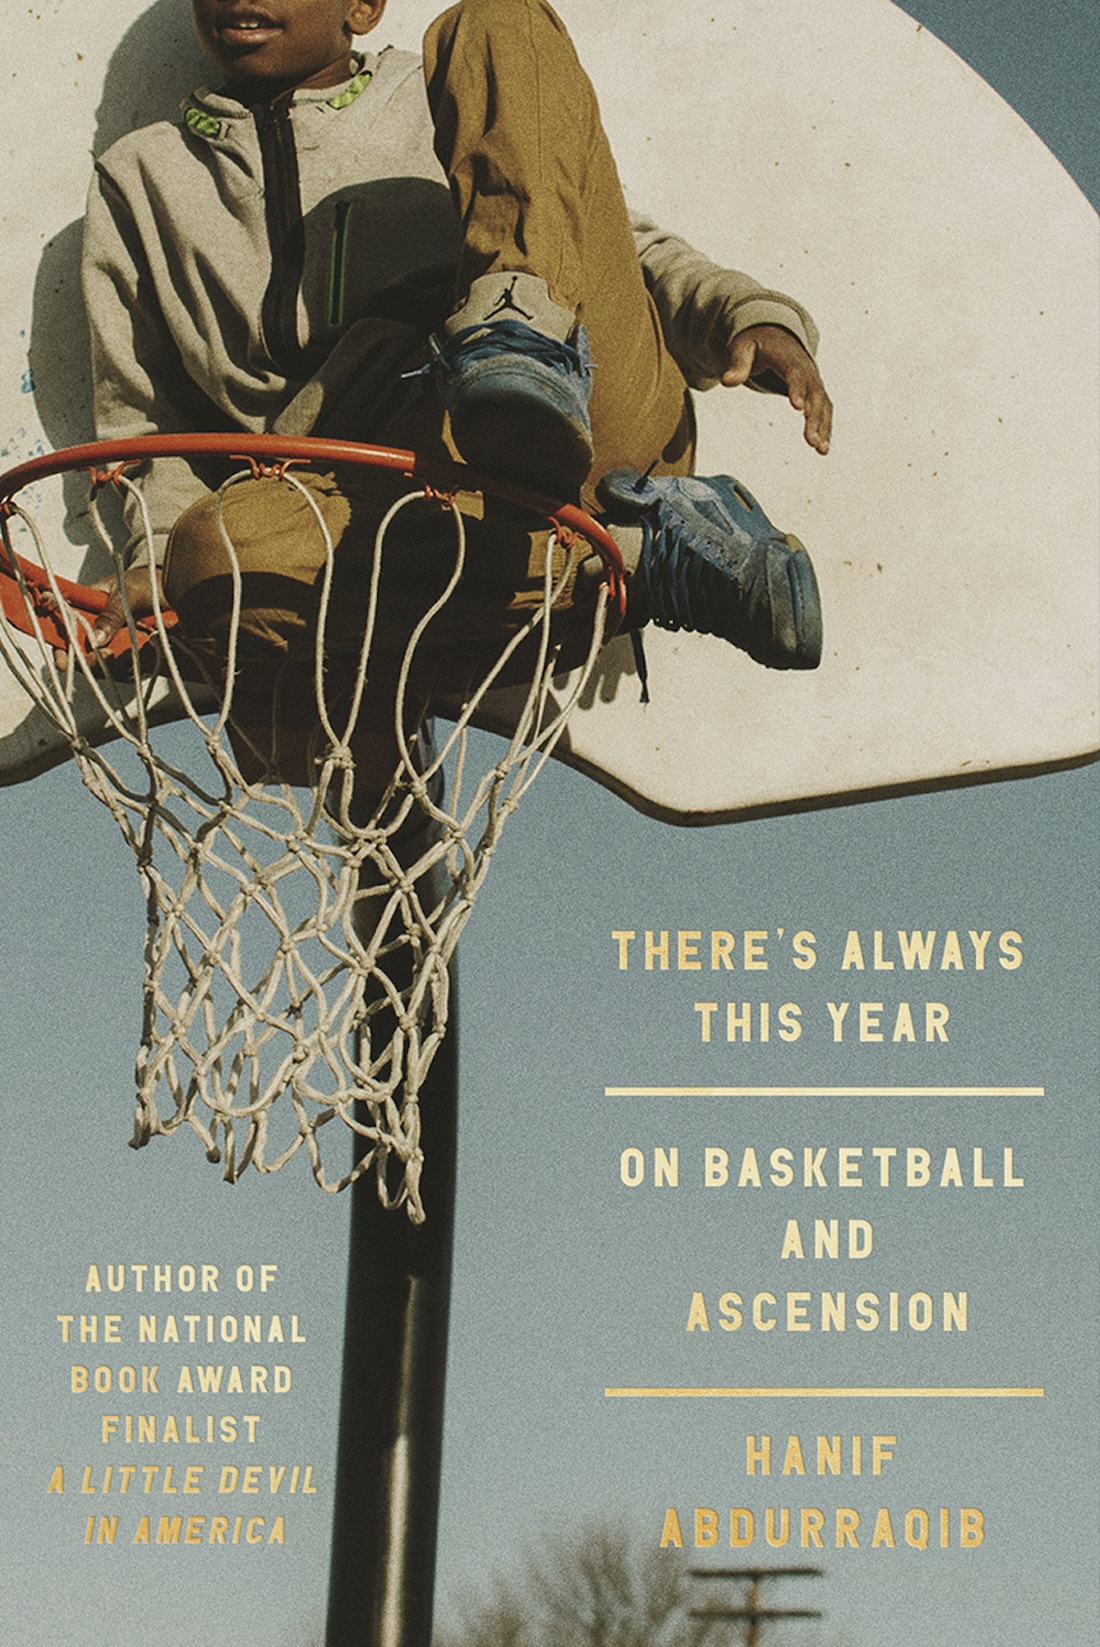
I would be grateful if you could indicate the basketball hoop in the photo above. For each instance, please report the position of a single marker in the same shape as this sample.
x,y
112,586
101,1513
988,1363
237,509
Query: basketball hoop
x,y
303,903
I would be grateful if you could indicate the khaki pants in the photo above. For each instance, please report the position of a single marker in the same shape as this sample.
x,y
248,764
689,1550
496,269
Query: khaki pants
x,y
535,188
518,132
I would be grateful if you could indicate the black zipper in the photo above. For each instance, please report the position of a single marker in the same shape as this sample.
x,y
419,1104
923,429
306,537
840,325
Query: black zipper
x,y
338,263
287,241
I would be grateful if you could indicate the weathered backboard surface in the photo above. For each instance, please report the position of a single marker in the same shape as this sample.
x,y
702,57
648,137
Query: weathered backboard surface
x,y
839,152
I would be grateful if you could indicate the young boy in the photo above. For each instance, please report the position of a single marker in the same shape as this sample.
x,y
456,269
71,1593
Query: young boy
x,y
318,247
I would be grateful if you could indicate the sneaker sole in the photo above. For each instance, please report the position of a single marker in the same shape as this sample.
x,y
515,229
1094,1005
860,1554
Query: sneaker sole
x,y
534,439
805,652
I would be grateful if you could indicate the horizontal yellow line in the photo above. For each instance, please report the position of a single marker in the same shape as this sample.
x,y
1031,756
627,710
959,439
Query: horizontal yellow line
x,y
824,1092
898,1392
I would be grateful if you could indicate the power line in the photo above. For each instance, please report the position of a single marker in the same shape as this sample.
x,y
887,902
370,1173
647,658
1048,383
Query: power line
x,y
752,1614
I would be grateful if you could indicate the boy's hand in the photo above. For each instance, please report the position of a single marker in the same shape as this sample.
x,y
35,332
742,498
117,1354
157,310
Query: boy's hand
x,y
138,600
760,350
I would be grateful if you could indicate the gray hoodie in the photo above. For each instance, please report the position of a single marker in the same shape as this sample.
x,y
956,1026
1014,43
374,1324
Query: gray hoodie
x,y
231,259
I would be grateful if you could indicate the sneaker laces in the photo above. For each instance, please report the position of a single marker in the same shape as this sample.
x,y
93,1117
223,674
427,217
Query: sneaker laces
x,y
682,584
495,337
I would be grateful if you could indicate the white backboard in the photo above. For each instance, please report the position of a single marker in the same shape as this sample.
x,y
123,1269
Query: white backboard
x,y
839,152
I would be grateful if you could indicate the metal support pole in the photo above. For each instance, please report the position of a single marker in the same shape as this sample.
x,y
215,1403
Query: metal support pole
x,y
390,1447
385,1520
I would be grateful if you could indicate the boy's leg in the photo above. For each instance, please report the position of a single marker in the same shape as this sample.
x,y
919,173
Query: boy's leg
x,y
518,131
538,196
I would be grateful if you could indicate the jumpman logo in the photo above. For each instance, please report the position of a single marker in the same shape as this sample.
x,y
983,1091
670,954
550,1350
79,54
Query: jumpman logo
x,y
507,301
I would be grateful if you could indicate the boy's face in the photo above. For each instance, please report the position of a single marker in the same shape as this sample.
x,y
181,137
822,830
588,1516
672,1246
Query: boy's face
x,y
265,47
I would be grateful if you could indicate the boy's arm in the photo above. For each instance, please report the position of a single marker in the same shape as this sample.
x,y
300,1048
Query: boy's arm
x,y
140,386
721,326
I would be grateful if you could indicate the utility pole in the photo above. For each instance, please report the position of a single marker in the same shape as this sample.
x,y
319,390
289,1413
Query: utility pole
x,y
753,1615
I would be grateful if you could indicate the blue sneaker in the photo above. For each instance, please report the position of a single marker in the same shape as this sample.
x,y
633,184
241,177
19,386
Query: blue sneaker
x,y
712,562
518,401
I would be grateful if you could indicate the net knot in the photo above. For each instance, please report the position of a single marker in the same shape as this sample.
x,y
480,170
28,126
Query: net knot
x,y
268,471
437,494
111,476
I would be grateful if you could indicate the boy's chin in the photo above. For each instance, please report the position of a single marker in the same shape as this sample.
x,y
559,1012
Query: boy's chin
x,y
256,75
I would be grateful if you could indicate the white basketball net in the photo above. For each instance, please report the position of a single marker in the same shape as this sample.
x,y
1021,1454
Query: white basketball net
x,y
297,954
